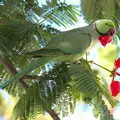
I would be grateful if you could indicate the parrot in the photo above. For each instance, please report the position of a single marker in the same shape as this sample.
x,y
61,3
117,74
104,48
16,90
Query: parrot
x,y
68,46
71,44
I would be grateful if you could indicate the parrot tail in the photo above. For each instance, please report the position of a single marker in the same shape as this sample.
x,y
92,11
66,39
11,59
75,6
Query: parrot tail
x,y
46,52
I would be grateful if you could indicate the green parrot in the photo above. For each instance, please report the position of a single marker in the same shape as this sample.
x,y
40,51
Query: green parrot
x,y
70,45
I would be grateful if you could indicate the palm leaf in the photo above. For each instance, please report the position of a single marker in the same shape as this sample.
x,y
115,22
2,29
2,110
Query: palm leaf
x,y
58,13
33,101
15,20
87,86
84,79
42,95
101,109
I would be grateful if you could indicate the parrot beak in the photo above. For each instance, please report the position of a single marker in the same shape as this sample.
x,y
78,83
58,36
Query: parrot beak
x,y
105,39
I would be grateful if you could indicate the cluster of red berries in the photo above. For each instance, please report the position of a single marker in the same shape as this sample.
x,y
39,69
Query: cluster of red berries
x,y
115,85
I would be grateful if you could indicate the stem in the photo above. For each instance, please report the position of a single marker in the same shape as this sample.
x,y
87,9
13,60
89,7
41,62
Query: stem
x,y
101,67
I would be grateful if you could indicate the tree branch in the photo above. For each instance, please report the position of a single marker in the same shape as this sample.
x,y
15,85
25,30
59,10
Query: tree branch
x,y
10,68
100,66
36,77
53,114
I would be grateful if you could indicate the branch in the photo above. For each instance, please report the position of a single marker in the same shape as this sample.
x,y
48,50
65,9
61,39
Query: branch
x,y
10,68
100,66
53,114
36,77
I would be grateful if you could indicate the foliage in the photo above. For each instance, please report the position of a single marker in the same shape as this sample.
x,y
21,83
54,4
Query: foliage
x,y
26,26
63,80
94,9
24,33
101,110
42,94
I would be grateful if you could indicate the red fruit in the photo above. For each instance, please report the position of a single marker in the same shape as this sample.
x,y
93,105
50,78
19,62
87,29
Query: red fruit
x,y
115,88
117,63
104,39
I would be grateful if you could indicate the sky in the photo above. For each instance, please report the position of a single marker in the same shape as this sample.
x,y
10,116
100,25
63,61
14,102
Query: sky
x,y
72,2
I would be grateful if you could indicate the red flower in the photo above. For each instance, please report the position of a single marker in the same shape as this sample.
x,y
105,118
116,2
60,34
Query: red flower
x,y
104,39
115,88
117,63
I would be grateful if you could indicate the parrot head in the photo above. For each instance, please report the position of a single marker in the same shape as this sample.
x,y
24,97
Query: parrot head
x,y
106,30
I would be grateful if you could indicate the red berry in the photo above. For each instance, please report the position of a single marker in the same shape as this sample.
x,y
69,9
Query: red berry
x,y
117,63
115,88
104,39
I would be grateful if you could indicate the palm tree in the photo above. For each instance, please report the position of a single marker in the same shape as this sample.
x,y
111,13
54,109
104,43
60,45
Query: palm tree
x,y
26,26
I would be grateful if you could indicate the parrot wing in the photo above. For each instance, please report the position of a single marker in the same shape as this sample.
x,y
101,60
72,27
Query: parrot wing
x,y
46,52
71,42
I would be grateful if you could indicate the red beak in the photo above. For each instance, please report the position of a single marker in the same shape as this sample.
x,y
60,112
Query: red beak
x,y
105,39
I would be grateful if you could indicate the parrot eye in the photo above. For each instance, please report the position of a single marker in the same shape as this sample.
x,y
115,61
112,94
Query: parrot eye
x,y
108,24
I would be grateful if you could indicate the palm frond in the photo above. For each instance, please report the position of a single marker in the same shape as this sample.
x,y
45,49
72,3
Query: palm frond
x,y
84,79
87,82
42,95
62,15
101,109
19,34
33,65
53,88
65,104
88,88
17,22
33,101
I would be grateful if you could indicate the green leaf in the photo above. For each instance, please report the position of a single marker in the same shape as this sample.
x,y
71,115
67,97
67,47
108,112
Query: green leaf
x,y
84,79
